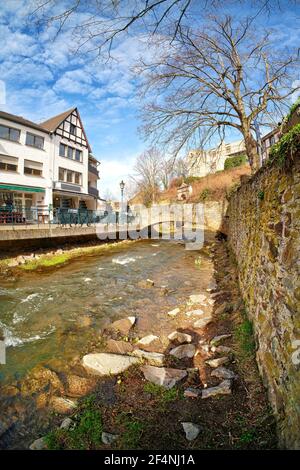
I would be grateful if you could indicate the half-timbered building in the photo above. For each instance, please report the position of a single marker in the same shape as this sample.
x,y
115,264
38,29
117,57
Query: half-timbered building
x,y
47,165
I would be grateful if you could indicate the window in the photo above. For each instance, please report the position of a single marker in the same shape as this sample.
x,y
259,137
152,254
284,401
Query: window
x,y
69,176
32,171
8,163
8,167
9,133
78,155
77,179
272,140
61,174
72,129
70,153
34,140
33,168
62,150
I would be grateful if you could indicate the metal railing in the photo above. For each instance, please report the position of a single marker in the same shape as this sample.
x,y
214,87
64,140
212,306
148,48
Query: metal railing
x,y
17,215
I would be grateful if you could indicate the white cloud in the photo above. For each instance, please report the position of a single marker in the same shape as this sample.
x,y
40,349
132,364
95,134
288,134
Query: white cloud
x,y
113,171
36,103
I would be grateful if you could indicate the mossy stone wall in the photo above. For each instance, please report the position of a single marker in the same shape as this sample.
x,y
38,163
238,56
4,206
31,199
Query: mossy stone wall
x,y
263,224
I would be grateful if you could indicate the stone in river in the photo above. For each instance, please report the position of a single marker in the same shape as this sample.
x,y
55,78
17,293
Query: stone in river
x,y
39,379
123,326
77,386
185,350
217,362
180,337
166,377
202,322
119,347
223,373
146,283
174,312
62,405
218,339
191,430
197,312
223,389
107,364
154,358
147,340
197,299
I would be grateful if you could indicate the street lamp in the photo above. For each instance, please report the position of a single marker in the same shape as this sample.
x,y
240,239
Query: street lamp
x,y
122,186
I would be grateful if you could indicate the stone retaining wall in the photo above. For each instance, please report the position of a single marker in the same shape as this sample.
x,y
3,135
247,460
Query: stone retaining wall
x,y
263,226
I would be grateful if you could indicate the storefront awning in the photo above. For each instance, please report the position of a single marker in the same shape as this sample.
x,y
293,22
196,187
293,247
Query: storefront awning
x,y
28,189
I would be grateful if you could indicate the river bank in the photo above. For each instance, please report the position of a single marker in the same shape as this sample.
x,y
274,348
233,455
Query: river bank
x,y
143,414
43,259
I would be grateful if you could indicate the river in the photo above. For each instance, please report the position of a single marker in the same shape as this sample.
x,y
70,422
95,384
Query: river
x,y
59,314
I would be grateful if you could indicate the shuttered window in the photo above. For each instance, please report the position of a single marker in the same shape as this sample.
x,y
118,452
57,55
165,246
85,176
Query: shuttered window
x,y
33,168
8,163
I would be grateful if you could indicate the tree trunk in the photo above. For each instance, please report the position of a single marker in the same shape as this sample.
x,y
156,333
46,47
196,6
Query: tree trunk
x,y
251,150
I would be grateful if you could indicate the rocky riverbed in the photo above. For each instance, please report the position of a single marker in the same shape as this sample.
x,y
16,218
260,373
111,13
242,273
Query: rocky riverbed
x,y
173,369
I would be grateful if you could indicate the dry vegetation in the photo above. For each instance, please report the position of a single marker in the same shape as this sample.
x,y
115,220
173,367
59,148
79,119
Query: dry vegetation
x,y
211,187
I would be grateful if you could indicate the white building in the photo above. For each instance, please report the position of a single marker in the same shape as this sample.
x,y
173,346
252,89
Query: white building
x,y
203,162
48,164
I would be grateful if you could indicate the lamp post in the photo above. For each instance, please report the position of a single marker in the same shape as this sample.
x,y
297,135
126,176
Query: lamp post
x,y
122,186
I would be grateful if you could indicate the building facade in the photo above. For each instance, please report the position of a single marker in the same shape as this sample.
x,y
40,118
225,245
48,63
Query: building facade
x,y
47,165
202,162
268,140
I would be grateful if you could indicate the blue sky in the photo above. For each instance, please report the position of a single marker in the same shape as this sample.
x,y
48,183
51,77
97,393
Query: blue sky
x,y
43,77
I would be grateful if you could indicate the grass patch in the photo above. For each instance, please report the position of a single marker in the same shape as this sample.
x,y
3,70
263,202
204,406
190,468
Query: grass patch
x,y
163,394
233,162
46,262
244,337
86,433
133,430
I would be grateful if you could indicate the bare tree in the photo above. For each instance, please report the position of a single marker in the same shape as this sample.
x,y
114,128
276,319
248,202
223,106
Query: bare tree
x,y
100,22
222,76
147,174
108,195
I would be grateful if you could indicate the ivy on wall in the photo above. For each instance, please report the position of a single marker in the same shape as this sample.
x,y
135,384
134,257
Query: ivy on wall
x,y
287,147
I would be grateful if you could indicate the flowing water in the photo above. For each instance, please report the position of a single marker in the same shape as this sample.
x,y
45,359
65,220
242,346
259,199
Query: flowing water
x,y
56,314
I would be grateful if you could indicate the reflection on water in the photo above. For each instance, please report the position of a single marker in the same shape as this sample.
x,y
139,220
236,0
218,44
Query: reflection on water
x,y
56,314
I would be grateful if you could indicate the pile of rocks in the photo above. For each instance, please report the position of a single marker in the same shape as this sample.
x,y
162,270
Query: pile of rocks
x,y
123,353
